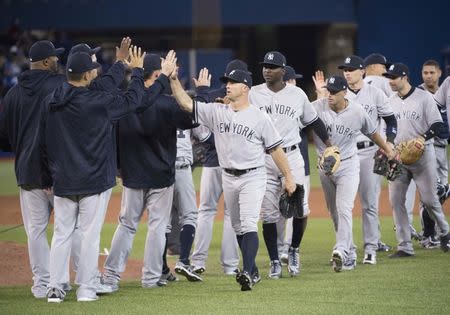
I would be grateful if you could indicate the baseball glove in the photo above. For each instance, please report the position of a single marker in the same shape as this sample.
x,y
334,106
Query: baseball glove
x,y
292,206
411,151
330,160
199,150
390,169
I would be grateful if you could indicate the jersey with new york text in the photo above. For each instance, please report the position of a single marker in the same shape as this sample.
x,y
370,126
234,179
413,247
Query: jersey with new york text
x,y
241,137
287,108
415,113
343,127
373,101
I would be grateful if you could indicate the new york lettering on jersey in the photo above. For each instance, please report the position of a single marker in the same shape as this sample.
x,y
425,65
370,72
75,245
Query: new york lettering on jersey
x,y
415,113
287,108
343,127
249,129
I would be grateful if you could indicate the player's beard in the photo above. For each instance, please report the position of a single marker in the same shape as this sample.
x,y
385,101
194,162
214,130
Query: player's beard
x,y
53,66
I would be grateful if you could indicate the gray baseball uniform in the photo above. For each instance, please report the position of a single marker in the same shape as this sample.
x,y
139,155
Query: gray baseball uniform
x,y
442,97
242,137
287,108
374,102
383,84
415,113
340,188
210,192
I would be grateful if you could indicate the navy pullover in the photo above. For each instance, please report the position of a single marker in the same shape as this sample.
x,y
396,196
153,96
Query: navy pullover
x,y
79,137
148,143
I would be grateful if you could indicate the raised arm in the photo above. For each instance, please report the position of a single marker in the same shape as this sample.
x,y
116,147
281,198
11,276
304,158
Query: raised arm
x,y
182,98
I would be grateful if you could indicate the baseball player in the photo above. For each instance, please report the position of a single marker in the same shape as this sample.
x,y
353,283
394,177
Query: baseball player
x,y
284,229
147,141
19,126
374,102
287,106
24,103
375,65
417,117
81,154
431,72
211,189
345,120
184,199
243,134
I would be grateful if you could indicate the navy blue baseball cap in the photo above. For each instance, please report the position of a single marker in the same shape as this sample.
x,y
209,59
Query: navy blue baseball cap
x,y
81,62
396,70
235,65
274,58
152,62
290,74
238,76
336,83
352,62
374,59
84,48
42,50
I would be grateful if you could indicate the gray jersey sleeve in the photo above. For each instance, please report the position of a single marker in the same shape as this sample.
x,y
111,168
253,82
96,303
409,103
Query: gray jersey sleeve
x,y
442,96
368,126
204,113
309,114
430,110
383,107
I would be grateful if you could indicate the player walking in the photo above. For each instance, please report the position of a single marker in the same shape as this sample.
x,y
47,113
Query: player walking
x,y
345,120
417,117
242,133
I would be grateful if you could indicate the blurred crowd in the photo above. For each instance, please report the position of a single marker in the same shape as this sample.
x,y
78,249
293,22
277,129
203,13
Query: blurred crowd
x,y
14,48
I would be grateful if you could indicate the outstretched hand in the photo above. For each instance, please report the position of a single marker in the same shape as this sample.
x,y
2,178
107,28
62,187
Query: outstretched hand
x,y
169,64
122,52
136,57
204,78
319,82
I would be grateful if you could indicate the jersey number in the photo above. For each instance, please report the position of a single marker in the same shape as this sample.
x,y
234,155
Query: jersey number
x,y
181,134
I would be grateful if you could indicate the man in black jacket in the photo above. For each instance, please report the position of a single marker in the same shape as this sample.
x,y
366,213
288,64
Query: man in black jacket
x,y
19,125
147,150
80,145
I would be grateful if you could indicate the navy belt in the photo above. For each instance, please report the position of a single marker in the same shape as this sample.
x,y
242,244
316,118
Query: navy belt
x,y
289,149
364,144
236,172
183,166
440,145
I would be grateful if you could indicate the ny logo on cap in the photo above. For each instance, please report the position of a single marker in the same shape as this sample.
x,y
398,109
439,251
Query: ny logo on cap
x,y
347,60
231,73
391,67
331,80
270,56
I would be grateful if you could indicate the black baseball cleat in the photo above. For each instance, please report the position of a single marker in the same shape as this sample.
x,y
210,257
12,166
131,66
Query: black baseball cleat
x,y
400,254
186,270
445,242
382,247
245,281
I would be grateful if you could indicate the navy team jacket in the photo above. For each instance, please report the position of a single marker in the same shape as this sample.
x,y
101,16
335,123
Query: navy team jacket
x,y
79,137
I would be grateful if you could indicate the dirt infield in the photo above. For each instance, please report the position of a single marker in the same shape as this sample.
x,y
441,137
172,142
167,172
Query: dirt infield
x,y
15,270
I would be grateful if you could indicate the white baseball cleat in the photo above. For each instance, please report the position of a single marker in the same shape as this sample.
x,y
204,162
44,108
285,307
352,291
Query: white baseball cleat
x,y
55,295
370,259
275,269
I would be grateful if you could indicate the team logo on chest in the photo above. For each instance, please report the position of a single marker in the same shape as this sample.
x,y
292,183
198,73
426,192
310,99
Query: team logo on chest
x,y
280,109
408,115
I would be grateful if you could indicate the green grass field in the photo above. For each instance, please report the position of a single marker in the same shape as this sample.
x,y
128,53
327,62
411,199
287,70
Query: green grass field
x,y
419,285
